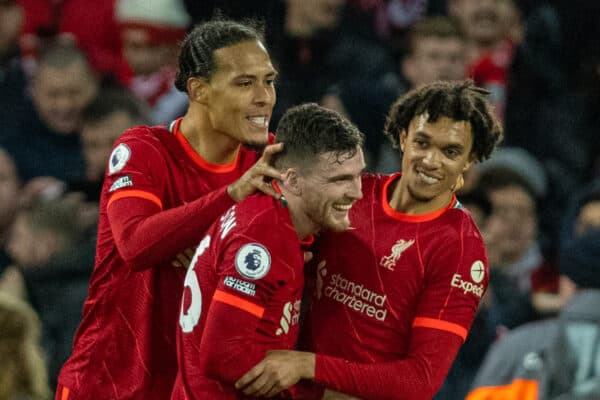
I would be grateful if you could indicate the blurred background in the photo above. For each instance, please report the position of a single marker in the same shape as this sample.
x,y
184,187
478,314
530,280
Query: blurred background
x,y
74,74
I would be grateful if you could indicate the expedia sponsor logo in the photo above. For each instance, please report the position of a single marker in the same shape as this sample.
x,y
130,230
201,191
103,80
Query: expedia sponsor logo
x,y
240,285
122,182
466,286
356,297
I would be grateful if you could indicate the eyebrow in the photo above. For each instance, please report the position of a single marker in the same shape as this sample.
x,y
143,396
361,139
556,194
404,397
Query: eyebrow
x,y
250,76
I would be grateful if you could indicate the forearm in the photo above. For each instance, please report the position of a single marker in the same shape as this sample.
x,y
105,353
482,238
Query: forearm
x,y
229,345
147,236
416,377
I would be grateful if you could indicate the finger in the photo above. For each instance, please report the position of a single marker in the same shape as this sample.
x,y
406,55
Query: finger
x,y
270,150
258,387
250,376
270,172
183,259
266,385
308,255
268,189
189,252
275,390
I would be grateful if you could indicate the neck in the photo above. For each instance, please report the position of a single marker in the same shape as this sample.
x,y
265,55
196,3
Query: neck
x,y
402,201
303,225
213,146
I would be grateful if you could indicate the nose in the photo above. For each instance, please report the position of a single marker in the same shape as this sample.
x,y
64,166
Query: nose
x,y
431,159
264,94
355,192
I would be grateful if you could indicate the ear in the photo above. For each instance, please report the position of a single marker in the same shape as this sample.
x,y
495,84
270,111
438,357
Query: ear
x,y
403,137
198,89
407,67
469,163
292,181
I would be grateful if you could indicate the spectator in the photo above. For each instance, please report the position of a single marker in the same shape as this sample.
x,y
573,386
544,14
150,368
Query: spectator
x,y
23,373
490,26
49,245
151,34
436,51
322,62
91,25
112,112
10,190
43,138
556,358
12,75
515,183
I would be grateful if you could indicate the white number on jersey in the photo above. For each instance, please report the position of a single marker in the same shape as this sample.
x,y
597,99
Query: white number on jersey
x,y
189,318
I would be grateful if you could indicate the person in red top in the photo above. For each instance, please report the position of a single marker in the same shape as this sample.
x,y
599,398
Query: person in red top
x,y
396,295
243,293
164,187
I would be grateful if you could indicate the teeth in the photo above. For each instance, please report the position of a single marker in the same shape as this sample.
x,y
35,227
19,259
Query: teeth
x,y
428,179
342,207
259,120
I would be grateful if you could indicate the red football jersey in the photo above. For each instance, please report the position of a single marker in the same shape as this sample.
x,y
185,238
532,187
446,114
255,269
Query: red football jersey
x,y
241,298
125,345
393,273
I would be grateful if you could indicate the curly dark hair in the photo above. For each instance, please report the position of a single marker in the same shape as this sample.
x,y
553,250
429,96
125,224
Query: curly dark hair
x,y
459,101
309,130
196,58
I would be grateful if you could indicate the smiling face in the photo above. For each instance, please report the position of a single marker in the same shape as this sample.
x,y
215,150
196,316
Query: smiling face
x,y
435,154
330,188
240,95
61,93
436,58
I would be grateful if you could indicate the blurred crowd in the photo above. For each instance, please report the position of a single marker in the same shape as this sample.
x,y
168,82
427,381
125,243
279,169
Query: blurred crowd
x,y
74,74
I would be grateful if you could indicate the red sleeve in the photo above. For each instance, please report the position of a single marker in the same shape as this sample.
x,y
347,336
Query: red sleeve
x,y
146,236
417,377
229,342
240,327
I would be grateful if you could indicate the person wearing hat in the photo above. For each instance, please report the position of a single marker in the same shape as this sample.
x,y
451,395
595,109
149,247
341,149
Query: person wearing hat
x,y
150,35
556,358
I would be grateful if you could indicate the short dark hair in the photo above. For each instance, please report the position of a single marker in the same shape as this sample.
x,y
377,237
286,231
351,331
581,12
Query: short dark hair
x,y
112,99
459,101
309,130
61,54
196,58
442,27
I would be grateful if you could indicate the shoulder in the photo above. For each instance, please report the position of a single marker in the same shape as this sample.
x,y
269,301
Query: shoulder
x,y
458,220
533,336
145,134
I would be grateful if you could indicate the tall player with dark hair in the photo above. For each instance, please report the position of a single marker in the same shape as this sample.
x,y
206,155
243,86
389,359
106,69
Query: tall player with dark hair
x,y
164,187
242,295
395,296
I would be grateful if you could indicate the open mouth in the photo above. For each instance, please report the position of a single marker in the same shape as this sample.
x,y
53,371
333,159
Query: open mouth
x,y
261,121
428,179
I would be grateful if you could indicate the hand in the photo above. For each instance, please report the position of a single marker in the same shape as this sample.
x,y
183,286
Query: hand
x,y
308,255
279,370
254,179
183,259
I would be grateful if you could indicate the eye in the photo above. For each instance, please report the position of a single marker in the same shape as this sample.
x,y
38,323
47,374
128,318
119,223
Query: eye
x,y
271,82
421,143
452,152
245,83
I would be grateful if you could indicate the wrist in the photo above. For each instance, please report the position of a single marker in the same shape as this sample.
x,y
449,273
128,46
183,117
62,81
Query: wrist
x,y
232,191
309,363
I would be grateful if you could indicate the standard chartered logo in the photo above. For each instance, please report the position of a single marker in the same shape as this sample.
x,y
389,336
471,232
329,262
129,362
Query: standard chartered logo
x,y
356,297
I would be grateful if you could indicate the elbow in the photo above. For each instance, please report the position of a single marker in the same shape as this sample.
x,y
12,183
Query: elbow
x,y
135,259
